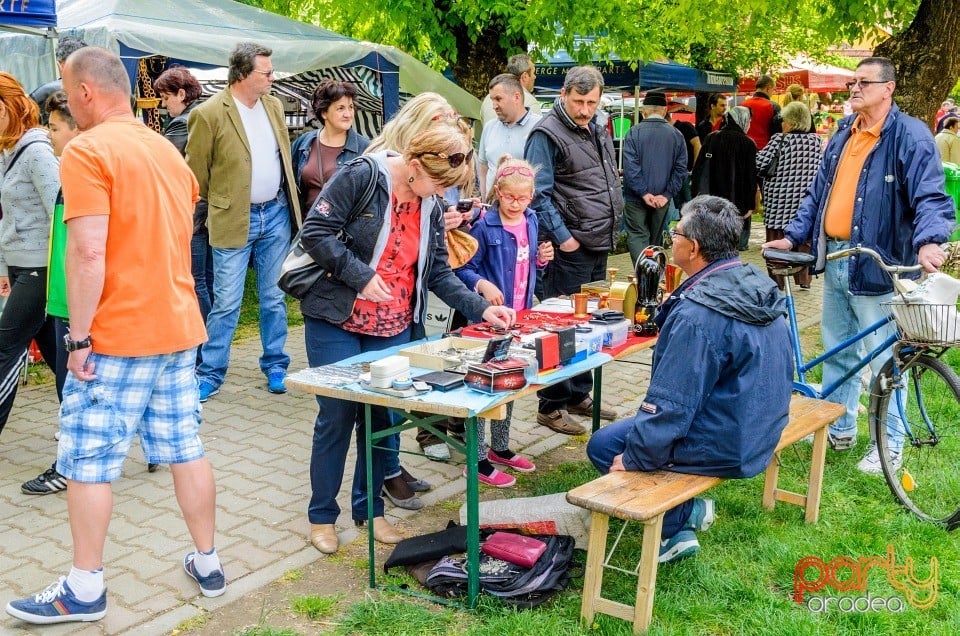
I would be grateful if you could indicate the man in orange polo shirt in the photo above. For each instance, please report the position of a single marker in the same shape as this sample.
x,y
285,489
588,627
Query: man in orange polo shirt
x,y
881,186
134,329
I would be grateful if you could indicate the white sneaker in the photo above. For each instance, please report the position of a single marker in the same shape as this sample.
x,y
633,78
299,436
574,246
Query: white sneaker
x,y
437,452
871,463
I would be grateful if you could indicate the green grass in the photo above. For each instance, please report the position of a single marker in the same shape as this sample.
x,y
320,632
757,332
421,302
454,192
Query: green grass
x,y
315,607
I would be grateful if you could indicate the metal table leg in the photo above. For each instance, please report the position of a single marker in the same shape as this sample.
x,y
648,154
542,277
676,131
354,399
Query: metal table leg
x,y
597,396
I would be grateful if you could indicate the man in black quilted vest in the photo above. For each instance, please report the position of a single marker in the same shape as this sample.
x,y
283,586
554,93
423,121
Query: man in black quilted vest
x,y
579,204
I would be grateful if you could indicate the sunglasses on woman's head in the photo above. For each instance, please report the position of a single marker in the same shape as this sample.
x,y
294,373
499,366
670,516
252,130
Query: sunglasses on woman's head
x,y
455,160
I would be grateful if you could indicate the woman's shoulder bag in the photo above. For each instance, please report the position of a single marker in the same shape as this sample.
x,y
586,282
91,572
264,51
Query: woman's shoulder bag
x,y
299,271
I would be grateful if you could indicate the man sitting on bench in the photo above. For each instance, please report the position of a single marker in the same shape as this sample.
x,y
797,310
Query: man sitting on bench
x,y
719,393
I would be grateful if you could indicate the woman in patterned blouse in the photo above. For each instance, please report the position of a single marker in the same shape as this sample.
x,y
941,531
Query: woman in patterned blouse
x,y
797,155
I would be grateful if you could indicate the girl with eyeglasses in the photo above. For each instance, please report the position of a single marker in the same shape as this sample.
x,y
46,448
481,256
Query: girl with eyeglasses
x,y
381,260
504,271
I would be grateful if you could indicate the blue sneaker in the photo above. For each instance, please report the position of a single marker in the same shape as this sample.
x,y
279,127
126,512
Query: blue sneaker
x,y
275,382
701,517
214,584
57,604
679,546
207,390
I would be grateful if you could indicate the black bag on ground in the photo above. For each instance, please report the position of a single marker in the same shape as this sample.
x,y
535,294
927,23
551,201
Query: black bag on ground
x,y
429,547
514,584
299,271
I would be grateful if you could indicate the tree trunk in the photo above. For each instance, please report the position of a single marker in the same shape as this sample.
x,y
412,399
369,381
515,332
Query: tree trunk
x,y
478,62
927,57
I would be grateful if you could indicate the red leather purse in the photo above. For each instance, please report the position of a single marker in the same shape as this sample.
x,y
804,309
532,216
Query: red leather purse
x,y
514,548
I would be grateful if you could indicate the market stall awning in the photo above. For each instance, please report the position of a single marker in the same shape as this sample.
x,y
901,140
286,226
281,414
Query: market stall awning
x,y
32,14
813,76
648,75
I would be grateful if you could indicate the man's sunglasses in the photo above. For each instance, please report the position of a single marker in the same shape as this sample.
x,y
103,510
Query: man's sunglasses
x,y
455,160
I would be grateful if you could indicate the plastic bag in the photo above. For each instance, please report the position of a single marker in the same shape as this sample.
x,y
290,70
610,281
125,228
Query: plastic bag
x,y
928,311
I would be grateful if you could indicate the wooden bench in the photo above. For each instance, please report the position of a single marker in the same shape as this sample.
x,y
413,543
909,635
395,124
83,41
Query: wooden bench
x,y
646,496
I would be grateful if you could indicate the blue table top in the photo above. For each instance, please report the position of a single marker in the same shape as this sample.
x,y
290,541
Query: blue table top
x,y
311,380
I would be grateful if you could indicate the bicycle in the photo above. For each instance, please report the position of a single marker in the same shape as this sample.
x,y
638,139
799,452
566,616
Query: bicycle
x,y
924,475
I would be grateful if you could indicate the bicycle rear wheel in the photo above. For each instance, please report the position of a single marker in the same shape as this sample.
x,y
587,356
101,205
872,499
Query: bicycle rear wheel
x,y
925,476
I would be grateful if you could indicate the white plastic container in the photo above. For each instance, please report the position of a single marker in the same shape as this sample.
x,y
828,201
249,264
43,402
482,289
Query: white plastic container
x,y
615,333
590,342
384,372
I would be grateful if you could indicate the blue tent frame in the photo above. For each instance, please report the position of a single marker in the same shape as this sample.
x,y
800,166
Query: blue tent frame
x,y
649,75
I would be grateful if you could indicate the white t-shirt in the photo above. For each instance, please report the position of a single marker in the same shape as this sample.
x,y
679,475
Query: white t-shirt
x,y
265,167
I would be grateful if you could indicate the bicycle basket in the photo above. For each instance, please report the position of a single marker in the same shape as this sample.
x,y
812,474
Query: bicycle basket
x,y
926,323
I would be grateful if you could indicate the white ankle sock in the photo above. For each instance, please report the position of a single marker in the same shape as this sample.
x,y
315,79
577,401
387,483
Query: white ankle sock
x,y
206,563
87,586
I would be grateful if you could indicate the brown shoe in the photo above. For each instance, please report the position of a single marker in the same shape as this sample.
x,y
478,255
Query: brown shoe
x,y
561,422
323,536
383,531
586,408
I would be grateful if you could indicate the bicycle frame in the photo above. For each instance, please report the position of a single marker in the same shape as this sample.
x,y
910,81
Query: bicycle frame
x,y
800,385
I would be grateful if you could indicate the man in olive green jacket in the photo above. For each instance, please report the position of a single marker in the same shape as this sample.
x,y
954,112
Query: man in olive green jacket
x,y
239,149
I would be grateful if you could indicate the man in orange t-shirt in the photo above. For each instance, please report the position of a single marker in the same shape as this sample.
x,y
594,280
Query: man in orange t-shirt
x,y
134,328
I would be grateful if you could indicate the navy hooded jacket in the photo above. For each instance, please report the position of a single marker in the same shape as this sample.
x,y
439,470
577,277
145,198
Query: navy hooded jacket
x,y
719,393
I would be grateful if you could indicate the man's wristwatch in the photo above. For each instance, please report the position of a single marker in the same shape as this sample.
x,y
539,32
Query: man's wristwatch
x,y
76,345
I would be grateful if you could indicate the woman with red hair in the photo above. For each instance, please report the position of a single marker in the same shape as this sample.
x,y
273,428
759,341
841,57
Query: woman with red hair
x,y
29,182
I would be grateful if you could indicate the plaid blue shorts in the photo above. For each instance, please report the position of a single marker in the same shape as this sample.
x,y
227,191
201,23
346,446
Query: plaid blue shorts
x,y
153,395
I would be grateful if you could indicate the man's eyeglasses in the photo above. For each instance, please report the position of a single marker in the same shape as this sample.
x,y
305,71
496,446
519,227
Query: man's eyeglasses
x,y
509,198
675,233
862,82
455,160
267,73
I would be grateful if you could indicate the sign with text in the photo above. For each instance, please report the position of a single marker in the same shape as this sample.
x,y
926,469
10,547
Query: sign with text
x,y
28,13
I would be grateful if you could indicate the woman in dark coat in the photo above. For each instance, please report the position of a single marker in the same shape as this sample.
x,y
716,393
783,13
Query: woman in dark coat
x,y
726,167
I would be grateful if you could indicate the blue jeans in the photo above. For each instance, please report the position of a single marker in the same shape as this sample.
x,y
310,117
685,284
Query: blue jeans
x,y
610,441
201,265
844,314
337,420
268,241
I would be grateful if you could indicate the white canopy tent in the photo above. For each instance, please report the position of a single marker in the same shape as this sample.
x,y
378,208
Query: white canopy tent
x,y
203,32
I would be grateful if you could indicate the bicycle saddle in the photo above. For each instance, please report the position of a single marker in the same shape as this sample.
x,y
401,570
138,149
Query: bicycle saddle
x,y
787,257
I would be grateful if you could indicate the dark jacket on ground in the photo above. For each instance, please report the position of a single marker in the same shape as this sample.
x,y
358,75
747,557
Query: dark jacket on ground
x,y
900,203
727,168
350,258
719,393
654,160
577,184
496,257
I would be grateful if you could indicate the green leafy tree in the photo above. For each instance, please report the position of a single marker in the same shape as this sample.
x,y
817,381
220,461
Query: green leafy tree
x,y
474,37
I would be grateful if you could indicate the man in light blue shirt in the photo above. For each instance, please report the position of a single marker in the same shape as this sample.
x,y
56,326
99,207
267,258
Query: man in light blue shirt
x,y
507,134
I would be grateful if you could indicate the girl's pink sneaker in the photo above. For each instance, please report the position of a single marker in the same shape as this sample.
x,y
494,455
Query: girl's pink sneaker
x,y
517,462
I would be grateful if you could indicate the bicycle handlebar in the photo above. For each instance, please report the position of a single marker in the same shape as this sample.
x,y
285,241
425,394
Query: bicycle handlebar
x,y
892,269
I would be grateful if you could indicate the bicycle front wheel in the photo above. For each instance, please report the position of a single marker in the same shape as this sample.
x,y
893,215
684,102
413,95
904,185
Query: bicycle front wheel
x,y
925,474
